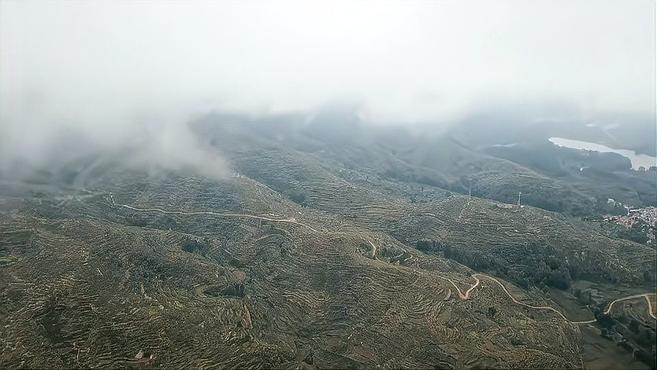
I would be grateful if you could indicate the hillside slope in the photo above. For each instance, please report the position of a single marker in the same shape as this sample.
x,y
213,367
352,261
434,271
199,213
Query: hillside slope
x,y
294,261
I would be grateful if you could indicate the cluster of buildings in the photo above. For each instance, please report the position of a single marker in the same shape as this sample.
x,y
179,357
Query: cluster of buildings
x,y
646,215
638,217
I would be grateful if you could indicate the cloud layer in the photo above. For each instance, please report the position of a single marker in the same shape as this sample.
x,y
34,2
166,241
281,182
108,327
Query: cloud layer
x,y
103,67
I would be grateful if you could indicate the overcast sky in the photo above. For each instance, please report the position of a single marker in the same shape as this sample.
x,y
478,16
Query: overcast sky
x,y
101,65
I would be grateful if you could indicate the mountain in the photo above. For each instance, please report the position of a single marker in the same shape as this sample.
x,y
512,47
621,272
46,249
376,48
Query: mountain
x,y
340,246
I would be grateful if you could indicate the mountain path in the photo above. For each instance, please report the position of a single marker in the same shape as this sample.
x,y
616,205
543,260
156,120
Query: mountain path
x,y
516,301
462,296
290,220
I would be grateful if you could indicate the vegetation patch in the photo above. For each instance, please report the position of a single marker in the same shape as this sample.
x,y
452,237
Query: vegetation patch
x,y
235,290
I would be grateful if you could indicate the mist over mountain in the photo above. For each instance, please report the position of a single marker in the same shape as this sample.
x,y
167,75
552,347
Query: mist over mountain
x,y
104,70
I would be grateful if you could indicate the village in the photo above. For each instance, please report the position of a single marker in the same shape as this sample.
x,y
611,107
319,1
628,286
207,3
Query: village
x,y
644,219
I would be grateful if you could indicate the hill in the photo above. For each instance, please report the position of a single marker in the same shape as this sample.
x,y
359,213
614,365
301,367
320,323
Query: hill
x,y
311,255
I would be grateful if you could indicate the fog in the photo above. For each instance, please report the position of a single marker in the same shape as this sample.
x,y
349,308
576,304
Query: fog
x,y
114,73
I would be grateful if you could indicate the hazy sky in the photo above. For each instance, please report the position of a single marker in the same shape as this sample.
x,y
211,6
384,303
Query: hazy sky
x,y
102,65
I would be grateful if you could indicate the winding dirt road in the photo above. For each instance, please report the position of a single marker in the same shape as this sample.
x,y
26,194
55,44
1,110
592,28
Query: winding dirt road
x,y
462,295
373,249
291,220
538,307
477,277
644,295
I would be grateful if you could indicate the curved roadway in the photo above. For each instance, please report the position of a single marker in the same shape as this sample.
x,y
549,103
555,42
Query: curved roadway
x,y
291,220
463,296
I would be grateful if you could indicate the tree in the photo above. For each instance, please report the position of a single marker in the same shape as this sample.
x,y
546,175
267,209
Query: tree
x,y
604,320
559,279
298,197
634,326
491,312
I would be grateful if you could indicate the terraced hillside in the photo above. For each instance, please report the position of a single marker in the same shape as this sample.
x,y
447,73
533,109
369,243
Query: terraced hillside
x,y
502,234
294,261
552,178
202,290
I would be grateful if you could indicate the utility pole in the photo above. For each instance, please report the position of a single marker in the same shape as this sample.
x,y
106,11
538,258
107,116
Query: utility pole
x,y
519,194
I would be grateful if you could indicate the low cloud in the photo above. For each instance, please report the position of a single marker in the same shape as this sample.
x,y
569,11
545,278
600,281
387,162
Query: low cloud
x,y
104,74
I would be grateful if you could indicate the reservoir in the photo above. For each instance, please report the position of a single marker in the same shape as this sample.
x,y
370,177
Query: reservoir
x,y
638,160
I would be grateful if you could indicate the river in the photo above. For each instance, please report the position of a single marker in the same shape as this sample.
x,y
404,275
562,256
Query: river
x,y
638,160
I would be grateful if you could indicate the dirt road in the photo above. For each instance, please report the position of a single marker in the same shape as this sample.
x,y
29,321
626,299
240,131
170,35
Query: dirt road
x,y
644,295
607,311
373,248
291,220
463,296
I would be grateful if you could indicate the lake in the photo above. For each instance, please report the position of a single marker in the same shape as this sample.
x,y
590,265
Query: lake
x,y
638,160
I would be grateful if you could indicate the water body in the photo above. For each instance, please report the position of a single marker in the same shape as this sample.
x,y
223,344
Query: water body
x,y
638,160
